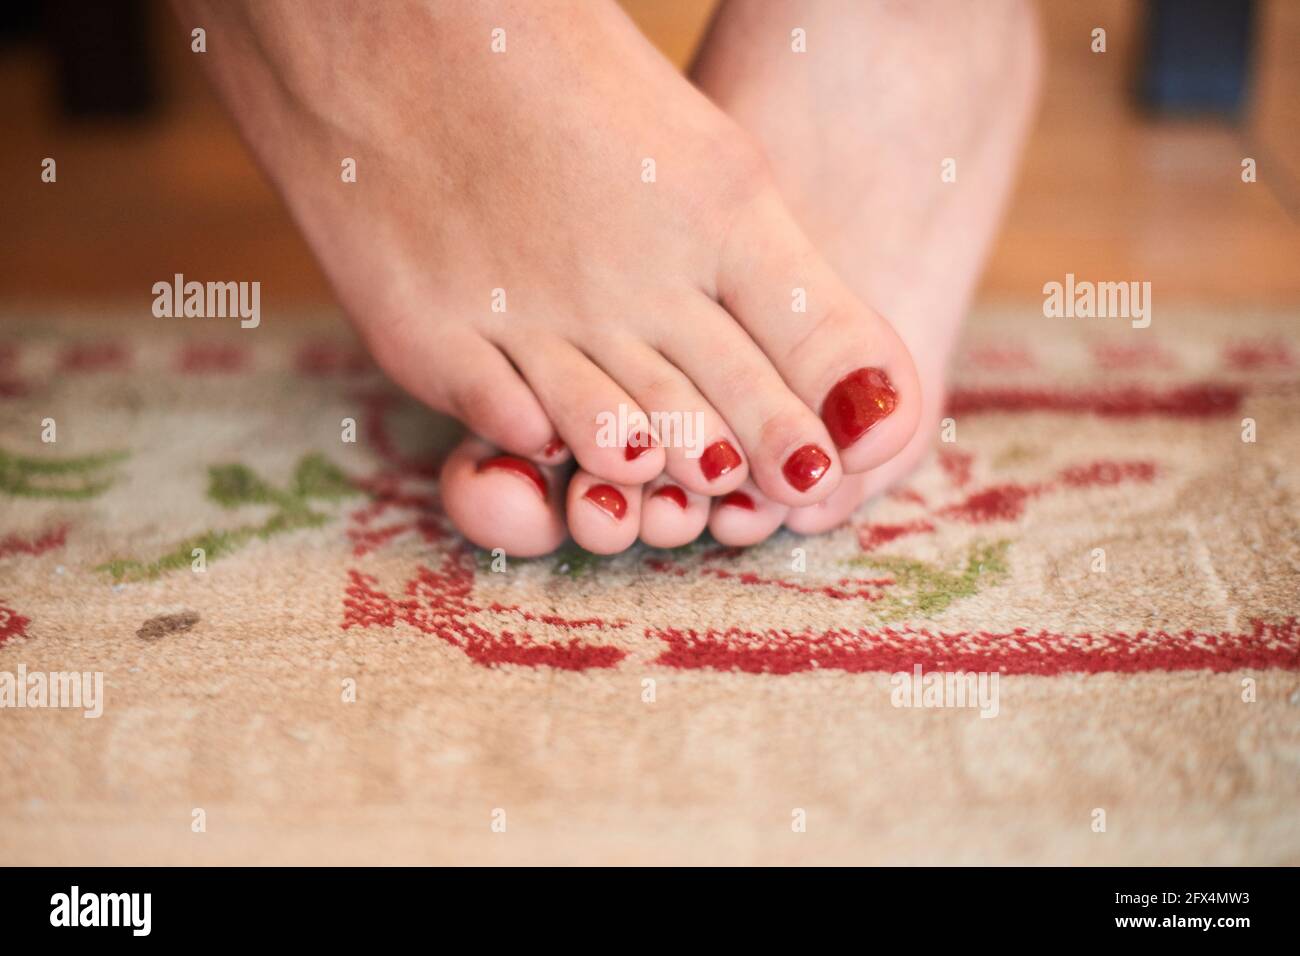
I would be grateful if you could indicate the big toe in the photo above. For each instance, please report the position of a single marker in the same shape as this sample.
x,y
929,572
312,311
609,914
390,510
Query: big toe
x,y
502,501
834,351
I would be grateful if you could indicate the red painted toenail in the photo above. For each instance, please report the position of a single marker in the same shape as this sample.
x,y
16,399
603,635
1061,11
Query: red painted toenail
x,y
608,499
718,459
672,493
805,467
553,447
638,443
857,402
738,499
525,469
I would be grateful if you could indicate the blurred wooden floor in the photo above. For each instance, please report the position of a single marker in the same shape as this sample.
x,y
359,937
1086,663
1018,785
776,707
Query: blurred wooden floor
x,y
1105,193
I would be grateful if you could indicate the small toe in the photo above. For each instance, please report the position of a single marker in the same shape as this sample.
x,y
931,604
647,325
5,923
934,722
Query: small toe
x,y
603,517
745,516
671,516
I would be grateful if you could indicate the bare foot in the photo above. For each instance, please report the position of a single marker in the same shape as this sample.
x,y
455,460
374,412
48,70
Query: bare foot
x,y
541,236
856,130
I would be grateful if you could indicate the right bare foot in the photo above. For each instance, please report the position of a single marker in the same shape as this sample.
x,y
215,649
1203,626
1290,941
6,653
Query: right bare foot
x,y
525,171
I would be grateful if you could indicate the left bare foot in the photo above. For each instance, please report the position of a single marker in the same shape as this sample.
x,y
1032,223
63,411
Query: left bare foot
x,y
856,130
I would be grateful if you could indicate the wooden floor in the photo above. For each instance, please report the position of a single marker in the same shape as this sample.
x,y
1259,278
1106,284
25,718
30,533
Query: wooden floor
x,y
1106,193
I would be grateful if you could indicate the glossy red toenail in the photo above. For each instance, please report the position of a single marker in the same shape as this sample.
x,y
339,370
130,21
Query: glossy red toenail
x,y
638,443
718,459
805,467
857,402
738,499
672,493
553,447
608,499
525,469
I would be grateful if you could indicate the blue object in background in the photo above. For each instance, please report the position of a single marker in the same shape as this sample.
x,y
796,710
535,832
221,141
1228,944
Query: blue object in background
x,y
1197,57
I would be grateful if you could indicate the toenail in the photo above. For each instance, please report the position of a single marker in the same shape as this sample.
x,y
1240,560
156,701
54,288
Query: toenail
x,y
553,447
638,443
738,499
718,459
672,493
857,402
805,467
608,499
525,469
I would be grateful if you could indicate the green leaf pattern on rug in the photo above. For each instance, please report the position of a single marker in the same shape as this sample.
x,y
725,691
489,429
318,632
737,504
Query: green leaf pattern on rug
x,y
238,486
74,479
925,590
921,589
574,561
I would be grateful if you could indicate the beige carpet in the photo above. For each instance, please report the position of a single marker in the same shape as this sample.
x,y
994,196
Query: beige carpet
x,y
344,681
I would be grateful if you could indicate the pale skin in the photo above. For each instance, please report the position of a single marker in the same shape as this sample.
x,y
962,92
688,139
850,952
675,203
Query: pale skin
x,y
524,171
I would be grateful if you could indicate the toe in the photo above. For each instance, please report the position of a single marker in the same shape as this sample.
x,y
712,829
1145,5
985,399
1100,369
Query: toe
x,y
603,427
858,489
835,352
604,517
671,516
790,455
503,501
834,511
480,388
745,516
554,452
700,451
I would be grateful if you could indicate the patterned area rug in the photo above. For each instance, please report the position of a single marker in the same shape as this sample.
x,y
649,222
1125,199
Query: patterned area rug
x,y
1071,638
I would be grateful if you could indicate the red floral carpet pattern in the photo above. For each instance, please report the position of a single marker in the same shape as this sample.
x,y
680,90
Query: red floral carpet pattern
x,y
1110,525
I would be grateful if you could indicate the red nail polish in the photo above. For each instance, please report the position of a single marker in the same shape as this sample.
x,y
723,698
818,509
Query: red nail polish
x,y
525,469
638,443
608,499
718,459
553,447
857,402
672,493
805,467
738,499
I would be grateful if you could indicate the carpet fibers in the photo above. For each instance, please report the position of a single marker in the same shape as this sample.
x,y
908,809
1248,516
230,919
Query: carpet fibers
x,y
1070,638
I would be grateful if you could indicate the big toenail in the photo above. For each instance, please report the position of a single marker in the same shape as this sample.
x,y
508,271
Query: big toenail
x,y
718,459
738,499
857,402
525,469
805,467
608,499
553,447
638,443
672,493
